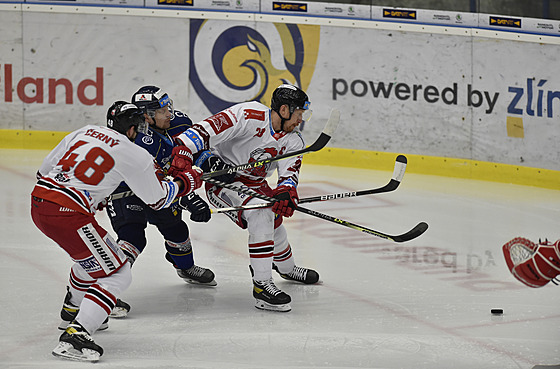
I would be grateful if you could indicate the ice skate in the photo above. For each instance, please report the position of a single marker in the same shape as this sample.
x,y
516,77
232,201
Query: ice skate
x,y
69,311
120,310
197,275
76,344
299,274
269,297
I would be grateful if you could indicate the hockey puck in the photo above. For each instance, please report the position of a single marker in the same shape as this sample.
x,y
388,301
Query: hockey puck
x,y
497,311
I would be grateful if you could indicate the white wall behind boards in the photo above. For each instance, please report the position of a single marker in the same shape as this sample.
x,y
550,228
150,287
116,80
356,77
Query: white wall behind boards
x,y
410,90
70,67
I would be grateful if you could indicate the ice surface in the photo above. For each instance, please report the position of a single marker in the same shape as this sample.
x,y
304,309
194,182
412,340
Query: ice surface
x,y
421,304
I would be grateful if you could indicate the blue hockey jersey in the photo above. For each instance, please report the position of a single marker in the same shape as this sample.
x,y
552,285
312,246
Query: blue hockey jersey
x,y
161,145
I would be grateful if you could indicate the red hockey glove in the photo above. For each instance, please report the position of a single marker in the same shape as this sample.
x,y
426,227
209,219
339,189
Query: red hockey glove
x,y
182,159
534,265
191,179
288,199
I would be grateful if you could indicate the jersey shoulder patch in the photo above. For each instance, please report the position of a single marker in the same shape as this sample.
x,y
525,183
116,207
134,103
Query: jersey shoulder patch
x,y
219,122
254,114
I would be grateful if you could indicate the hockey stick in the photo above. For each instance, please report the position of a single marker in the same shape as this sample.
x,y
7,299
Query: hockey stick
x,y
321,141
407,236
398,173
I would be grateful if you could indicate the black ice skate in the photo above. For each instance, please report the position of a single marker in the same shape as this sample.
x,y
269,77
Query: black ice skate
x,y
299,274
269,297
76,344
120,310
69,311
195,274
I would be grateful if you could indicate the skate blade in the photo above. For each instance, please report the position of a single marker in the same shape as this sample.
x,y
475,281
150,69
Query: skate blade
x,y
118,312
283,308
212,283
64,324
65,350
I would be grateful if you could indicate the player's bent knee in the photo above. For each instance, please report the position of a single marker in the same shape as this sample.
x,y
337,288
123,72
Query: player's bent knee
x,y
117,282
134,234
259,219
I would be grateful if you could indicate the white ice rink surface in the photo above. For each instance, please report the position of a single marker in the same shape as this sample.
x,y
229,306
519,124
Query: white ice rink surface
x,y
421,304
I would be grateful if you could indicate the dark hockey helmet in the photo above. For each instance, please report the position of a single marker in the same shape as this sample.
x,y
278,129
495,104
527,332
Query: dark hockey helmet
x,y
151,98
122,115
289,95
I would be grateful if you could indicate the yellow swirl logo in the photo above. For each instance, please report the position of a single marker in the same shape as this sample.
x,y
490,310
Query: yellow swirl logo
x,y
232,63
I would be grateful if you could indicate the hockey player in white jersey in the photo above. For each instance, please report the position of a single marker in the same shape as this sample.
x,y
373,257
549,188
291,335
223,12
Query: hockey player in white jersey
x,y
249,132
74,179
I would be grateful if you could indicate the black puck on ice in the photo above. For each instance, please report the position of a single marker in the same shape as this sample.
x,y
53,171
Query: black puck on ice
x,y
497,311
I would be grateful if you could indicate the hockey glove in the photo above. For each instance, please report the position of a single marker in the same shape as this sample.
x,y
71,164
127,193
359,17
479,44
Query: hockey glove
x,y
214,163
191,179
533,265
287,200
199,209
182,159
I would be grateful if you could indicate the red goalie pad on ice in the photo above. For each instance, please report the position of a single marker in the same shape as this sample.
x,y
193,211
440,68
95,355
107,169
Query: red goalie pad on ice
x,y
532,264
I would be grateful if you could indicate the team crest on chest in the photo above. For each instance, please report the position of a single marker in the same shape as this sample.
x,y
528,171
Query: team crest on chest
x,y
261,154
147,140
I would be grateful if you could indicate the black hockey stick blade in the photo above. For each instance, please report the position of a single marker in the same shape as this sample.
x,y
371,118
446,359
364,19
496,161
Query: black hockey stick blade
x,y
321,142
412,234
398,173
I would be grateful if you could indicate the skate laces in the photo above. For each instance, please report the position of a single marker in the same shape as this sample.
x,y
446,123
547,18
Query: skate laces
x,y
79,332
270,287
195,271
298,273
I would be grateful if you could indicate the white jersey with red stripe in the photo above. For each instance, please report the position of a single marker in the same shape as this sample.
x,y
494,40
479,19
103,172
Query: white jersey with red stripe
x,y
89,164
243,134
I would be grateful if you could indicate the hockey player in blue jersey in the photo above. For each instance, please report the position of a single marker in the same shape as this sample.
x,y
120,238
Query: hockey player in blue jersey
x,y
130,216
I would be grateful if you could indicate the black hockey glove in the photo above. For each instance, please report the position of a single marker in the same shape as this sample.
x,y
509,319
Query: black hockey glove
x,y
214,163
199,209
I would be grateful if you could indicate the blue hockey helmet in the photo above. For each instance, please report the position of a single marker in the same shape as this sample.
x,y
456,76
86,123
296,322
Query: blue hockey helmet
x,y
152,98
